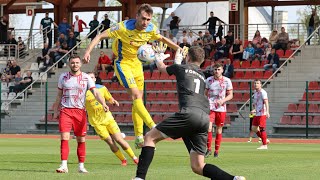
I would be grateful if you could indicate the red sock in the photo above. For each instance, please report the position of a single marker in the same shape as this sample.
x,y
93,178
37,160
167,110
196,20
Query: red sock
x,y
264,137
64,149
81,151
209,142
217,142
258,134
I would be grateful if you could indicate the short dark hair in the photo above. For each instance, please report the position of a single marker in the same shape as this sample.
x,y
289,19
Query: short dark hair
x,y
196,54
217,65
146,8
74,57
256,80
184,31
211,11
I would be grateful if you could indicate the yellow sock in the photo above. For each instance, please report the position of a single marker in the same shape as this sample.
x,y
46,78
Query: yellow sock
x,y
120,155
130,152
143,113
137,123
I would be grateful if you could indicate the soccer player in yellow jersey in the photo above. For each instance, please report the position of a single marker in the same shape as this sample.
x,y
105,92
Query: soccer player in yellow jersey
x,y
131,34
105,125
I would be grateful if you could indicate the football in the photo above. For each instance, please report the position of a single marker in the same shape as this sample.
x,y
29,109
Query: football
x,y
146,54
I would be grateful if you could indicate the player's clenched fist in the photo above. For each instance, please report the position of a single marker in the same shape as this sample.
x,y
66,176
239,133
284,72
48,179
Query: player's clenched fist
x,y
86,58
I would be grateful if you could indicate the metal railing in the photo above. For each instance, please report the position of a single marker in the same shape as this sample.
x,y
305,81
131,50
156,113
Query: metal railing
x,y
246,31
49,68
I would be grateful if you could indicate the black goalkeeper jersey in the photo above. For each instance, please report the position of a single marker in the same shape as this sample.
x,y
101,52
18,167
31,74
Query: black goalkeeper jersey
x,y
190,86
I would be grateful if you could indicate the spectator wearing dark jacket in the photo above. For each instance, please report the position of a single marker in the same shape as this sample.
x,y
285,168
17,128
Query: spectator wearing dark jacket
x,y
64,27
228,69
222,50
273,61
106,25
44,52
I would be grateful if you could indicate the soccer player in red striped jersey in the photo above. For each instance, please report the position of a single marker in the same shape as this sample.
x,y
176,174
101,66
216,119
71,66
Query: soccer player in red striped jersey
x,y
261,110
72,88
219,91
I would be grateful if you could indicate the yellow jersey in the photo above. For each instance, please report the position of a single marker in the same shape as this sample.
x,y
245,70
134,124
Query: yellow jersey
x,y
129,39
96,113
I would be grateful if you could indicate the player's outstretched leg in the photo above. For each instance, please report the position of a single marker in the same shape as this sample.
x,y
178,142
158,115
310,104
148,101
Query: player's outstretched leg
x,y
125,146
218,140
81,152
208,170
64,153
263,133
138,128
114,148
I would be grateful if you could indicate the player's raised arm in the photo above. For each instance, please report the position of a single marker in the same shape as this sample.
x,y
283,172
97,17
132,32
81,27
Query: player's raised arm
x,y
169,43
100,99
94,42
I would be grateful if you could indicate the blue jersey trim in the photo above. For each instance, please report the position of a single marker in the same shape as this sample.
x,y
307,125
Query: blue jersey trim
x,y
122,77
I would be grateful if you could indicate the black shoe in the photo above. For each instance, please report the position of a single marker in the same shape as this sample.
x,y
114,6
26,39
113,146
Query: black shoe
x,y
208,153
215,154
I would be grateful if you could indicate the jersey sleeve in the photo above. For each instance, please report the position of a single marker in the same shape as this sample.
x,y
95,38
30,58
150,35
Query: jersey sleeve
x,y
115,31
264,95
91,83
229,85
106,94
60,82
173,69
155,33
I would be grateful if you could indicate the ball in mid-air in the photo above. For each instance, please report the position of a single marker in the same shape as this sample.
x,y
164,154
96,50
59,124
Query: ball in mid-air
x,y
146,54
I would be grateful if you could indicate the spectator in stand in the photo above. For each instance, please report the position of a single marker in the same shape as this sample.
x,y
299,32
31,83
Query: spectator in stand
x,y
283,40
21,85
45,27
72,41
6,73
200,34
237,50
105,25
228,69
53,52
174,24
22,48
256,38
185,43
13,41
229,38
64,27
3,29
44,52
47,62
173,39
78,27
222,50
191,38
62,38
264,43
248,52
184,35
165,33
273,38
273,61
93,25
268,49
104,63
212,24
14,69
207,43
258,51
62,51
220,31
209,69
17,78
312,23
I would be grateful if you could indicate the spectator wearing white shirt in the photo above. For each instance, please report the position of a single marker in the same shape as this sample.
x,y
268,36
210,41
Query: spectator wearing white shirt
x,y
184,35
191,38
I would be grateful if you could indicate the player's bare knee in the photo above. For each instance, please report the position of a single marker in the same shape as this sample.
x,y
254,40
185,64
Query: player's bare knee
x,y
65,136
219,129
196,168
81,139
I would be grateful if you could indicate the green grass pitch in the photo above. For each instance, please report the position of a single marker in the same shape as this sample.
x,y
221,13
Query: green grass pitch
x,y
38,159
